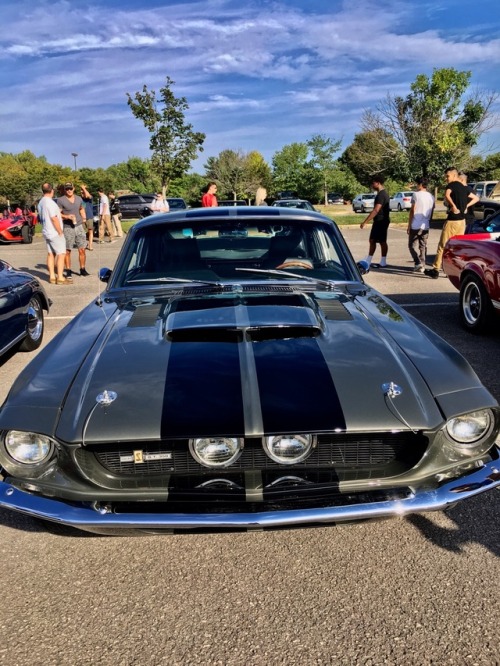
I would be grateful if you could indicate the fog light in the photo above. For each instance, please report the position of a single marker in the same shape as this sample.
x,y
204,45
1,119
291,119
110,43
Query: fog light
x,y
216,451
28,448
289,449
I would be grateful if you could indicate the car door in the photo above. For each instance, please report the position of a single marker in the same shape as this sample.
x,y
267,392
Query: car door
x,y
11,319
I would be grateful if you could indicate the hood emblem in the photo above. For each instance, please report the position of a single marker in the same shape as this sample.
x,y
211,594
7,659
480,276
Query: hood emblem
x,y
391,390
106,397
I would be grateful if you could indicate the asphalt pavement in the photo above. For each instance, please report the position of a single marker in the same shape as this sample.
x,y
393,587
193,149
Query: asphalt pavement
x,y
415,590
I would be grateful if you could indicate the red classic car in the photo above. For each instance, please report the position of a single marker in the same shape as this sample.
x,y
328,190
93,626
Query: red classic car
x,y
472,263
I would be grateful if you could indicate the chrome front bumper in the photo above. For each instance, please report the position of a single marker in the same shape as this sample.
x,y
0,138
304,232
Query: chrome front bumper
x,y
86,518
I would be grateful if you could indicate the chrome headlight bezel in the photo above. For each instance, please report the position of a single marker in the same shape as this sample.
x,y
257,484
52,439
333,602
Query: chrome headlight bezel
x,y
26,453
470,433
307,441
235,444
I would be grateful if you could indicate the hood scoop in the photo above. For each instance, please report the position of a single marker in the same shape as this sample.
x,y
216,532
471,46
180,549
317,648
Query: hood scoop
x,y
238,318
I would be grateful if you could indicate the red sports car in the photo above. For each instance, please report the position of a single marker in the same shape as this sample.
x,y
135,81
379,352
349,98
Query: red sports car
x,y
472,263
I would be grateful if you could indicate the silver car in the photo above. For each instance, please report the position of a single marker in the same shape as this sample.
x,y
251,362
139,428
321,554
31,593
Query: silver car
x,y
363,203
401,201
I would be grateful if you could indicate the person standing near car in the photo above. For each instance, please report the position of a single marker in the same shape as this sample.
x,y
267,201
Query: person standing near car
x,y
458,198
160,204
422,208
470,218
50,218
104,217
89,213
381,220
74,217
116,216
209,200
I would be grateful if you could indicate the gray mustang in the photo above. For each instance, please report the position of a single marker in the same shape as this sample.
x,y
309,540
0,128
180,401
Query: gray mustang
x,y
237,372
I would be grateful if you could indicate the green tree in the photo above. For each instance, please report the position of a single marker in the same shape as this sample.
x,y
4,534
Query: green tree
x,y
323,149
373,151
173,143
289,167
434,126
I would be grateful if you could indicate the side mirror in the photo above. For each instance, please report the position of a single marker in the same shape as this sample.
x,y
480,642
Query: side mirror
x,y
104,274
363,267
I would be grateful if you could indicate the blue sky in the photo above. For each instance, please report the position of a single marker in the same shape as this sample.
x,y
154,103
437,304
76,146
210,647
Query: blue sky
x,y
257,75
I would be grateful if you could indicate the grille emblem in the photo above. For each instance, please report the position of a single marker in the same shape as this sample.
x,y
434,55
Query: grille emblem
x,y
139,457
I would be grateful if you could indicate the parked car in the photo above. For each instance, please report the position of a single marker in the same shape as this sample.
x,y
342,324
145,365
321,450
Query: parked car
x,y
472,264
401,201
176,203
335,199
22,302
487,206
135,205
491,224
363,203
17,229
238,373
294,203
484,188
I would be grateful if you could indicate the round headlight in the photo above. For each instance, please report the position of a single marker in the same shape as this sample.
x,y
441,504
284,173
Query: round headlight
x,y
470,428
288,449
28,448
216,451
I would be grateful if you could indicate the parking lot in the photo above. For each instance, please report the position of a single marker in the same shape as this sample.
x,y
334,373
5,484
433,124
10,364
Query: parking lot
x,y
416,590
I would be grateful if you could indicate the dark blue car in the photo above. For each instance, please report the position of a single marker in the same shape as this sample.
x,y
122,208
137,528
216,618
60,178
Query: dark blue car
x,y
22,302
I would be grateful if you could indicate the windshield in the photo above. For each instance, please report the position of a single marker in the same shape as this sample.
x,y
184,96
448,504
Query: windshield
x,y
223,251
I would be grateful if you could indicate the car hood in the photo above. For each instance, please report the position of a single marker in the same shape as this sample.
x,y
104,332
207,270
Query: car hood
x,y
236,364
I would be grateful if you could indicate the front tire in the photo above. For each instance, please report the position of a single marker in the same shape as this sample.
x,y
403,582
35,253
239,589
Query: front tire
x,y
34,327
476,309
26,234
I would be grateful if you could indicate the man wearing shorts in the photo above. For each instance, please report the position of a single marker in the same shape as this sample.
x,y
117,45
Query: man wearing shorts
x,y
52,230
380,217
74,219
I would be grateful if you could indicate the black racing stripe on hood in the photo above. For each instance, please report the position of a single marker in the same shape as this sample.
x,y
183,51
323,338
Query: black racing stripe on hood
x,y
203,395
296,388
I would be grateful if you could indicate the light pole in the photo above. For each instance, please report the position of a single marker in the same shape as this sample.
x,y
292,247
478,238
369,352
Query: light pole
x,y
75,155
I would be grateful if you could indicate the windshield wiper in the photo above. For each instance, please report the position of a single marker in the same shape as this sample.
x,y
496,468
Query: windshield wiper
x,y
175,279
329,284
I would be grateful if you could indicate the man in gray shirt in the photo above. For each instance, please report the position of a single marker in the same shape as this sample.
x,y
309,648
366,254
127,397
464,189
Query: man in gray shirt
x,y
74,217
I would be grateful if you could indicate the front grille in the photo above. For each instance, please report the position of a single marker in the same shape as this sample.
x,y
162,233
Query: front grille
x,y
350,456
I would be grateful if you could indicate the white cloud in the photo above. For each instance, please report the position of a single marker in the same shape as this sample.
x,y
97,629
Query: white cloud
x,y
241,66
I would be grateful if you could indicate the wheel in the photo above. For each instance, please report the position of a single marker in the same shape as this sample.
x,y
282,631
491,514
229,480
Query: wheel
x,y
476,309
35,326
363,209
26,234
400,207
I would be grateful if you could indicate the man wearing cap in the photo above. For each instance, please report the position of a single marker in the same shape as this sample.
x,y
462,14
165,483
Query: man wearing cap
x,y
74,217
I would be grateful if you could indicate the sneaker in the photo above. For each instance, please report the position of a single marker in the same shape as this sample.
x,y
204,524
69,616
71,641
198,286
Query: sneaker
x,y
419,268
432,272
84,272
67,273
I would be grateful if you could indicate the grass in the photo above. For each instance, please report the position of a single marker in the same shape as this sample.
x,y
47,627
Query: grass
x,y
343,215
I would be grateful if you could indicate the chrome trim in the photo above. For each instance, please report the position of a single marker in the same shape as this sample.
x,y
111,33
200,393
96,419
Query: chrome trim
x,y
85,517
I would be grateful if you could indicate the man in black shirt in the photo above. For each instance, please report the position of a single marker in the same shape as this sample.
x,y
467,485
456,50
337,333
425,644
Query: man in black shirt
x,y
380,217
458,198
